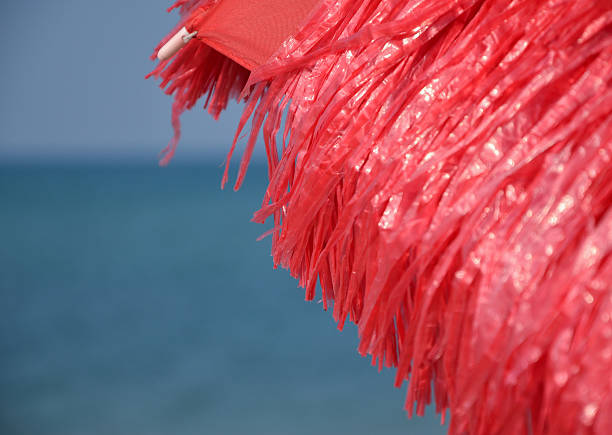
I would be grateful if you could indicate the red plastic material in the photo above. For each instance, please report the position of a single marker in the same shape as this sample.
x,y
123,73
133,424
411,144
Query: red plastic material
x,y
247,31
196,70
445,176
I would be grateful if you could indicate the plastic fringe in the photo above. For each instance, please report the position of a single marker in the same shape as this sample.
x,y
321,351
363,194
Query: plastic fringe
x,y
196,70
445,177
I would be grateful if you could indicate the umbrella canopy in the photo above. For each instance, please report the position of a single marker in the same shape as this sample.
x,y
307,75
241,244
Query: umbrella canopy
x,y
443,174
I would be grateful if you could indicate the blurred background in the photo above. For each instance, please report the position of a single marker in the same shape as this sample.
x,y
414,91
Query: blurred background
x,y
135,299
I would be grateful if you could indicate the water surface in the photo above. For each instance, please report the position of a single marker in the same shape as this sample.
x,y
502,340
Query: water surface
x,y
135,300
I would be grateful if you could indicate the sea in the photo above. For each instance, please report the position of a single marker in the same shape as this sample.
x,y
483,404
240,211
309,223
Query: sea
x,y
135,299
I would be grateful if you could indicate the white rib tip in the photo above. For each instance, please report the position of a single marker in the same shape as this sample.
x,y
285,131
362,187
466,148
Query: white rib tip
x,y
178,41
189,36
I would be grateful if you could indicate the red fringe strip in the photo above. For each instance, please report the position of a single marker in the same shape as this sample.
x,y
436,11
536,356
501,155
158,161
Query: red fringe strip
x,y
196,70
445,177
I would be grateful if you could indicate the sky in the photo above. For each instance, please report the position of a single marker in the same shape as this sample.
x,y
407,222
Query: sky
x,y
72,85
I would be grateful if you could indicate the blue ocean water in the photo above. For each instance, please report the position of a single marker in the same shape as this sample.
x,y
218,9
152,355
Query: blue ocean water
x,y
136,300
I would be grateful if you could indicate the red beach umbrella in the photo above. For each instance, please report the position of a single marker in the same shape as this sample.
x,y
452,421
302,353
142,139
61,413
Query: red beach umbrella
x,y
444,174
